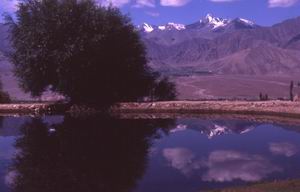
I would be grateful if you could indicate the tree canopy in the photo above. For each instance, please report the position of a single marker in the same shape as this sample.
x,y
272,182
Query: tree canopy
x,y
89,53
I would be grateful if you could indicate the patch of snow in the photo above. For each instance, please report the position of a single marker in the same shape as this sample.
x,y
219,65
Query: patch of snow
x,y
177,26
171,26
215,22
162,27
148,28
246,21
247,130
218,130
179,127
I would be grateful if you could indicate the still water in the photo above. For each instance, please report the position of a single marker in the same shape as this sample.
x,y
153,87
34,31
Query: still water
x,y
92,154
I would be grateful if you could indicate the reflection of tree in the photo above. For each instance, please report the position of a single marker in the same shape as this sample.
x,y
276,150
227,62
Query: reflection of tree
x,y
1,122
90,154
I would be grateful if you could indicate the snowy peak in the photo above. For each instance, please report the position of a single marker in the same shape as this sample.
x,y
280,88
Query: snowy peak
x,y
215,22
145,27
172,26
245,21
208,23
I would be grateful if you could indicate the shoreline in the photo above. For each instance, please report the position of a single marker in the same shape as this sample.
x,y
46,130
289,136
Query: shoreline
x,y
267,108
172,108
12,109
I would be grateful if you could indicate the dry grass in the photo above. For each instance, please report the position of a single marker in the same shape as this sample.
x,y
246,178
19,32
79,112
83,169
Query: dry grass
x,y
234,86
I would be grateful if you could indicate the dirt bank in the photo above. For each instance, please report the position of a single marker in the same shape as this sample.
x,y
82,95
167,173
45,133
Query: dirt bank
x,y
32,108
278,108
273,108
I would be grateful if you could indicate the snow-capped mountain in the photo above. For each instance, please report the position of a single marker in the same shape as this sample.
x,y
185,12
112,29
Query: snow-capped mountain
x,y
148,28
226,46
210,23
215,23
172,26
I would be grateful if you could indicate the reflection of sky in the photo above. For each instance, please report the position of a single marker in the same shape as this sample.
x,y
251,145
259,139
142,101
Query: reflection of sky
x,y
246,152
226,166
221,166
181,159
6,147
7,151
283,148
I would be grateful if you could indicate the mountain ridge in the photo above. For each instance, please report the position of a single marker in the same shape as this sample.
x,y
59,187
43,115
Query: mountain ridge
x,y
228,50
210,22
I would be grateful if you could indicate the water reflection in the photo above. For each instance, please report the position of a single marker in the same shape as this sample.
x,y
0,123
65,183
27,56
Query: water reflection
x,y
213,128
83,154
100,153
230,165
283,148
221,165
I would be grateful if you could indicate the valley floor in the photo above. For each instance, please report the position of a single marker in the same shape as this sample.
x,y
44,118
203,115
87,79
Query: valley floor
x,y
234,86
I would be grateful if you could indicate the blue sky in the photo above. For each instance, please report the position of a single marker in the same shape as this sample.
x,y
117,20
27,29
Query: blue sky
x,y
262,12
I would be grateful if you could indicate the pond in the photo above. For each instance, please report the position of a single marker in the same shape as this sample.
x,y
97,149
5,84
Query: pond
x,y
61,154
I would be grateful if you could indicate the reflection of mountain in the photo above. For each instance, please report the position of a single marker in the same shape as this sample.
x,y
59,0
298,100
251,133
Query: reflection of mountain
x,y
213,128
83,154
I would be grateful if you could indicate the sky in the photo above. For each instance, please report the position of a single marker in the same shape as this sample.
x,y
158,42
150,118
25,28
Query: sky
x,y
262,12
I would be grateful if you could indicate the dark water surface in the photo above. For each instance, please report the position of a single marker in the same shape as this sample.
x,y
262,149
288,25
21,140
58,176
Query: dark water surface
x,y
93,154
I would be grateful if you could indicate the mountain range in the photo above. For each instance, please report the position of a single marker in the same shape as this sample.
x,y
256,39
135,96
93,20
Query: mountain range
x,y
224,46
211,45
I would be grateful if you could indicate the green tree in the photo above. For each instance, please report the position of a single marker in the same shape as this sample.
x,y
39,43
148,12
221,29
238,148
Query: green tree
x,y
91,54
